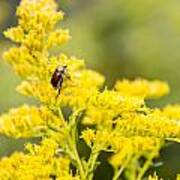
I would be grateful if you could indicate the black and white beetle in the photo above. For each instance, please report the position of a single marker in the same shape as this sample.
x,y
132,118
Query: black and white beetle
x,y
58,78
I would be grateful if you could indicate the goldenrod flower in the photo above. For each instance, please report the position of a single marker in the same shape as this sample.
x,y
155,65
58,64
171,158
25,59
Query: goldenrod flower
x,y
75,92
41,163
108,105
142,88
149,125
99,140
154,177
28,121
117,120
127,147
172,112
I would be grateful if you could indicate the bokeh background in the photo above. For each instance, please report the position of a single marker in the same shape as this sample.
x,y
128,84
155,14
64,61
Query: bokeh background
x,y
120,39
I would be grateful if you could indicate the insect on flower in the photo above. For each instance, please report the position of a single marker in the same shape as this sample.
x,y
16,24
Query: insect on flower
x,y
58,78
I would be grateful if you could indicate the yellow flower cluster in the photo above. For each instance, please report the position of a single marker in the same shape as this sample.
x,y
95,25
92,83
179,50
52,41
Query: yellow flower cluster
x,y
126,148
104,107
32,61
142,88
42,162
171,111
123,147
99,140
116,120
154,177
82,80
149,125
28,121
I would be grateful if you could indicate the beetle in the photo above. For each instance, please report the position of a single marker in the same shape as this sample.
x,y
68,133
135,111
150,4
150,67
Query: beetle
x,y
58,78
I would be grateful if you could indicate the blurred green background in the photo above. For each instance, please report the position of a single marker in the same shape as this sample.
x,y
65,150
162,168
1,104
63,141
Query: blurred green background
x,y
120,39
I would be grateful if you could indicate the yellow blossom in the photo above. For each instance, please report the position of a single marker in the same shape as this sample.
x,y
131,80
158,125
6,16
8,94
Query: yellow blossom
x,y
149,125
75,92
127,147
38,12
42,163
35,33
172,111
31,60
28,121
142,88
103,107
58,37
117,120
16,34
154,177
88,136
98,139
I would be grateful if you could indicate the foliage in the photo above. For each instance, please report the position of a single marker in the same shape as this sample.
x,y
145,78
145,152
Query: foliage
x,y
116,121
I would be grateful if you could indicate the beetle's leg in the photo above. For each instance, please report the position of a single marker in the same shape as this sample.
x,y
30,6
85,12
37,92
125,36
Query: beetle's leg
x,y
67,76
59,86
59,91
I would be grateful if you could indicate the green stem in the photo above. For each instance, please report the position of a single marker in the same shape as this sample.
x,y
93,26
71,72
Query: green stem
x,y
91,164
146,166
79,164
73,145
118,172
60,114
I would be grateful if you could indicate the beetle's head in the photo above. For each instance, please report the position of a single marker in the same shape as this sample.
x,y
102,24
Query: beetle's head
x,y
62,68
